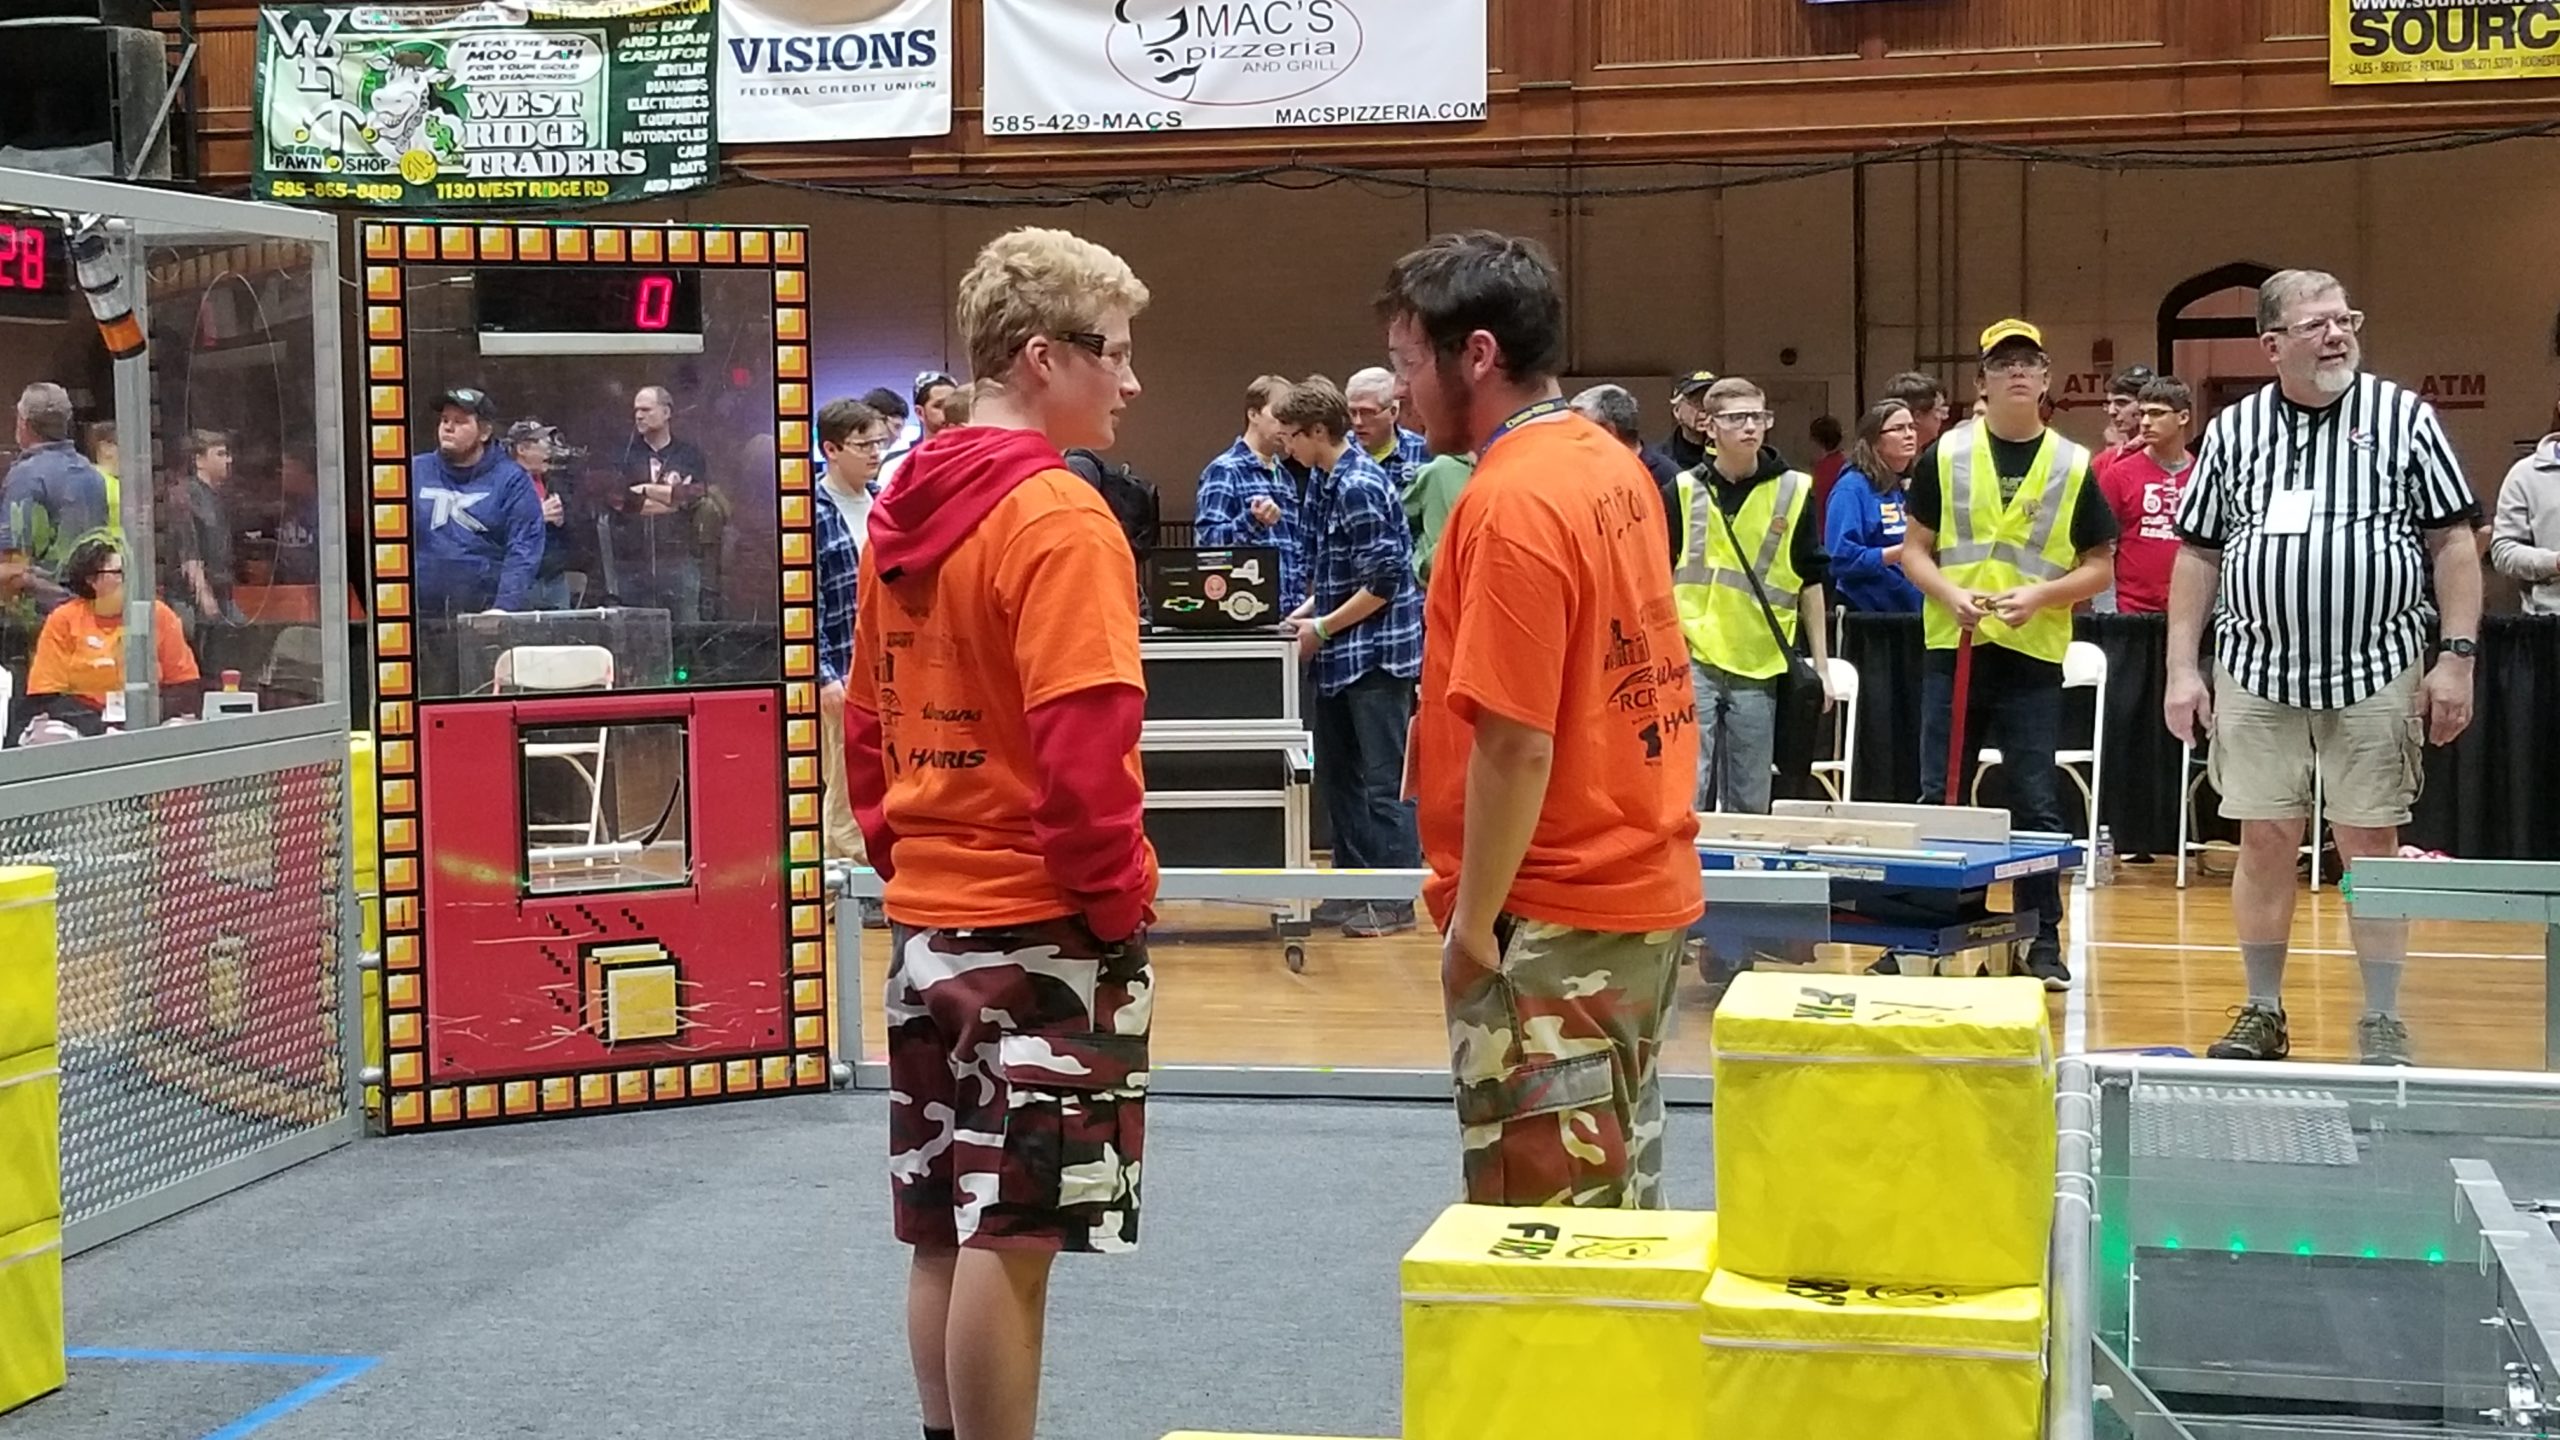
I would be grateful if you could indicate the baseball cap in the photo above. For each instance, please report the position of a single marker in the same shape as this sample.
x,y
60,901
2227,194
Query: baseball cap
x,y
1691,383
926,380
2011,332
2131,379
464,397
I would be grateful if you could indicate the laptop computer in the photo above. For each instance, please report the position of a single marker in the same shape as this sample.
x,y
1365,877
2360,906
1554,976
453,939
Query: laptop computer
x,y
1232,589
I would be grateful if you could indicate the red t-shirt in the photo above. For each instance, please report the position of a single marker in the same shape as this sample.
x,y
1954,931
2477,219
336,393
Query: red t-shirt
x,y
2144,496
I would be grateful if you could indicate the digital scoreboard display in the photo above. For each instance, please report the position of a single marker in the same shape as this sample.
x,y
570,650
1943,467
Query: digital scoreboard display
x,y
35,266
554,309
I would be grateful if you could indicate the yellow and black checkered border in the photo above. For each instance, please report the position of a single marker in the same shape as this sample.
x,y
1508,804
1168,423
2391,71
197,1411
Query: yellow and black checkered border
x,y
388,249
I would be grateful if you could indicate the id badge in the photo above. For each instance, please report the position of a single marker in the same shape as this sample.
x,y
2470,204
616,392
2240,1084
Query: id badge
x,y
2289,512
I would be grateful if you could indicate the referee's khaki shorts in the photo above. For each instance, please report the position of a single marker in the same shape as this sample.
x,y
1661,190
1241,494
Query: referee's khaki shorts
x,y
2370,757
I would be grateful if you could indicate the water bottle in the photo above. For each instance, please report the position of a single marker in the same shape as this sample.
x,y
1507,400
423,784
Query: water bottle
x,y
2102,865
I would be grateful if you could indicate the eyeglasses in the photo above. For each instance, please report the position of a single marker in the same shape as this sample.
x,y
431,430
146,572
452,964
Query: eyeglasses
x,y
873,445
1900,427
2157,412
1100,347
927,379
1743,419
2019,365
2350,321
115,570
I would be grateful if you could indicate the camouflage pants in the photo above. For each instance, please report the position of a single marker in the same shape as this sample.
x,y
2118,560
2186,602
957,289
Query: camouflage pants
x,y
1555,1052
1018,1081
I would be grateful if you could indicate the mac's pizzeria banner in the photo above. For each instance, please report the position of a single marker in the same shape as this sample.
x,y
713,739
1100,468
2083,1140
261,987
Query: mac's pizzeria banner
x,y
2398,42
484,106
1069,66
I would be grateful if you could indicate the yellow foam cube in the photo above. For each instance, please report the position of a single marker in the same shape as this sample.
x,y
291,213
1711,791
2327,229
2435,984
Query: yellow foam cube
x,y
30,1140
27,960
1785,1360
1504,1307
1898,1129
31,1358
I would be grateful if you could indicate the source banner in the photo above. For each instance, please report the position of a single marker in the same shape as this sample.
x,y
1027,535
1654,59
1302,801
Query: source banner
x,y
2399,42
486,106
834,69
1069,66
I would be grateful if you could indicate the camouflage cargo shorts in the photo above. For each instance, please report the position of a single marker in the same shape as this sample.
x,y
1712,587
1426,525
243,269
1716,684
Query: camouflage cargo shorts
x,y
1018,1080
1556,1055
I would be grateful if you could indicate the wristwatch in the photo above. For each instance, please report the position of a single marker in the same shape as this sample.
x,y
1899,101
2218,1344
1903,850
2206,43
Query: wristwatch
x,y
2460,646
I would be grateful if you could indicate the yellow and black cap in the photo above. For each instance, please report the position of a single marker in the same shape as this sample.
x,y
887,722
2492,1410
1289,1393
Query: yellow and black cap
x,y
2011,335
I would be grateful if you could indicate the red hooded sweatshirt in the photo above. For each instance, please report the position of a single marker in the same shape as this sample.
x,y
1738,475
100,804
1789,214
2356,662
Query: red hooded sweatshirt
x,y
993,709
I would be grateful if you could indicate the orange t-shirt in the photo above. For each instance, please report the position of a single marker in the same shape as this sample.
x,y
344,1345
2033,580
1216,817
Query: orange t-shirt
x,y
81,652
1551,606
1039,602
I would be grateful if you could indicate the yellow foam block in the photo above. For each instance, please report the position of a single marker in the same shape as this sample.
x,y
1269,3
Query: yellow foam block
x,y
1881,1362
364,843
1224,1435
30,1140
1502,1308
31,1361
1841,1098
27,960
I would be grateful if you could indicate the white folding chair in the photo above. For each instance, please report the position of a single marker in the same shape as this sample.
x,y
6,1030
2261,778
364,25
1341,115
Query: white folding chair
x,y
549,668
2084,667
2191,779
1838,774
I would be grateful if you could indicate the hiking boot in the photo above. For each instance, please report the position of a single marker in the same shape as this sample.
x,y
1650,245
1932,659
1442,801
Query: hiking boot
x,y
1371,922
2382,1040
2047,966
2256,1033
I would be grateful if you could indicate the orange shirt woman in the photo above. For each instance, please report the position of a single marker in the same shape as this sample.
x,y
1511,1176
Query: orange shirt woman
x,y
79,657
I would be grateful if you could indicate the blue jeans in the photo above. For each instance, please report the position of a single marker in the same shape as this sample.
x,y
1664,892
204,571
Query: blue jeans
x,y
2016,709
1360,735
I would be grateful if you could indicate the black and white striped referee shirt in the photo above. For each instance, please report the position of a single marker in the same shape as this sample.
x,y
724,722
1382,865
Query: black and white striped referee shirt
x,y
2322,619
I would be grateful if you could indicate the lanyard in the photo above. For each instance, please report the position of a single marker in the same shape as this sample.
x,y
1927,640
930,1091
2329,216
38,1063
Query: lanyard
x,y
1522,416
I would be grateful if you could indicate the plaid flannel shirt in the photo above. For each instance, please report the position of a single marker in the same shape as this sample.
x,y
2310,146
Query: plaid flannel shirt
x,y
1403,462
839,577
1362,542
1223,514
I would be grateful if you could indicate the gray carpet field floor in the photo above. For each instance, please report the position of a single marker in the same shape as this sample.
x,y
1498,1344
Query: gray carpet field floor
x,y
728,1273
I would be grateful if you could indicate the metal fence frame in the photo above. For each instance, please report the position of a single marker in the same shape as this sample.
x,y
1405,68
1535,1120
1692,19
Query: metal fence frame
x,y
62,777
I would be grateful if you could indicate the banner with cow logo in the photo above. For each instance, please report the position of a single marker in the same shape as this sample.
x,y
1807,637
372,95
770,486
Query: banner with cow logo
x,y
1068,66
488,106
834,69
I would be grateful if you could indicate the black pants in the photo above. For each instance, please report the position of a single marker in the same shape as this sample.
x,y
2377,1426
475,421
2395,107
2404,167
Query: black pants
x,y
1360,735
2016,708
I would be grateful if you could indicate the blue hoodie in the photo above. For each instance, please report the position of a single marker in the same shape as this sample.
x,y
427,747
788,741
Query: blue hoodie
x,y
1857,530
477,534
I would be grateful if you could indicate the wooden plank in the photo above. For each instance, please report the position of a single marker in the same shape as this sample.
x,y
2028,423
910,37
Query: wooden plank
x,y
1811,830
1932,822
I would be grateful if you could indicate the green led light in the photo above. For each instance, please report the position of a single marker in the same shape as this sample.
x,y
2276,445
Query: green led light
x,y
2169,1243
2435,1257
2303,1248
683,675
2239,1245
2370,1253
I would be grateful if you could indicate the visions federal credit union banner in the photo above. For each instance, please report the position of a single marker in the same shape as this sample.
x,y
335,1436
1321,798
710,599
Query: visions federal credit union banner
x,y
2398,42
834,69
1066,66
484,106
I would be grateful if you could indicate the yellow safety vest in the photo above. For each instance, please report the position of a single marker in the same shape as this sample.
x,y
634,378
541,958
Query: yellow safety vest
x,y
1987,546
1719,611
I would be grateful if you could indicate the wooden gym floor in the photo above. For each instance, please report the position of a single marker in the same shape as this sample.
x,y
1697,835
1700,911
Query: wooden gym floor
x,y
2156,966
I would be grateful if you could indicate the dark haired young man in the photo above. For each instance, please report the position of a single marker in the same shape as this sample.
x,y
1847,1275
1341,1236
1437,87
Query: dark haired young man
x,y
1360,627
1555,746
851,436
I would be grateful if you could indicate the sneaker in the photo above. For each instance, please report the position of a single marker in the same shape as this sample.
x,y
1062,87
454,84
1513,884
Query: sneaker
x,y
2382,1040
873,917
1334,912
1371,922
2047,966
2256,1033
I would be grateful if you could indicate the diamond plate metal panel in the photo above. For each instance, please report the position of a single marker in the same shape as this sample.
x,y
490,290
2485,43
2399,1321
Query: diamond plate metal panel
x,y
2257,1124
200,975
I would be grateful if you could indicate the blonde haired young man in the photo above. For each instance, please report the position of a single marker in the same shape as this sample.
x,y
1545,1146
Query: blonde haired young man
x,y
992,716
